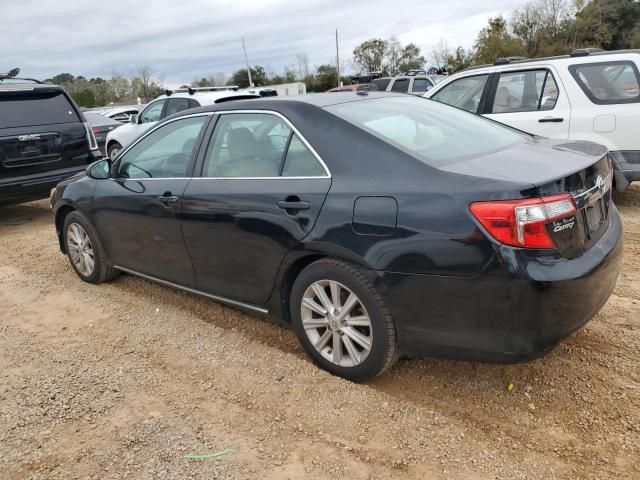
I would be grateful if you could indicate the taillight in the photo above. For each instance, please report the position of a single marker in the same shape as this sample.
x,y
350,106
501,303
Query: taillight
x,y
95,130
522,223
93,145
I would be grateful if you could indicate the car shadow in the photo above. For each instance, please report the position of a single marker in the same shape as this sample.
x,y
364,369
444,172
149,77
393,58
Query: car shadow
x,y
23,213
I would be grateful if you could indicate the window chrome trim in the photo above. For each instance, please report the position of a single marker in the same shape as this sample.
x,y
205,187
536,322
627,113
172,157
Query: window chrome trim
x,y
217,298
226,112
295,131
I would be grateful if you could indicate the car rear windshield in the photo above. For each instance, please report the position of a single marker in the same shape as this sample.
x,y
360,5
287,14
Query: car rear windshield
x,y
434,133
33,109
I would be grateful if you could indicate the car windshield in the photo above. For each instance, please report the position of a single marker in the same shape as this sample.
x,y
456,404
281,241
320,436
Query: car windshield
x,y
434,133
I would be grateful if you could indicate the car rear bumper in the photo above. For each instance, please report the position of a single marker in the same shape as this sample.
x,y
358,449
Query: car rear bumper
x,y
626,167
518,309
33,187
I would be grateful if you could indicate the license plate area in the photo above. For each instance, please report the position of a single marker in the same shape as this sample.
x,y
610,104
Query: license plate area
x,y
594,216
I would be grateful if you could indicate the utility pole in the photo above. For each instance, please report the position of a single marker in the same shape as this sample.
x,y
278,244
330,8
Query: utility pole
x,y
247,62
338,59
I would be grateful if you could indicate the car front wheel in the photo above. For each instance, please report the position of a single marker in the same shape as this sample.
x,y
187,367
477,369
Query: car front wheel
x,y
342,322
84,250
113,150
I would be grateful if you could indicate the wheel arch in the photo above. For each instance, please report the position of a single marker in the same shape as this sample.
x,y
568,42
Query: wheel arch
x,y
60,216
293,265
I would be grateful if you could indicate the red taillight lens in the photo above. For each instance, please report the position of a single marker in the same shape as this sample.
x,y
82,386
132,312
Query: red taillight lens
x,y
95,130
522,223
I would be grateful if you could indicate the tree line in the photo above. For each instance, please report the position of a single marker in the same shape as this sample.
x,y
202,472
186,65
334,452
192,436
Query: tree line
x,y
536,29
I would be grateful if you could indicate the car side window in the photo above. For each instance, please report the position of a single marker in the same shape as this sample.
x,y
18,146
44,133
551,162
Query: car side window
x,y
165,153
464,93
153,112
247,145
400,85
607,83
420,85
300,161
175,105
525,91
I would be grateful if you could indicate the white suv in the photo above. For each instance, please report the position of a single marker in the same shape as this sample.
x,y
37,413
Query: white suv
x,y
173,101
588,95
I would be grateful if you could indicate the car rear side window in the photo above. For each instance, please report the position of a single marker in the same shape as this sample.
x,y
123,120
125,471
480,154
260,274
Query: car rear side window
x,y
608,83
381,83
175,105
464,93
300,161
433,133
33,109
420,85
400,85
525,91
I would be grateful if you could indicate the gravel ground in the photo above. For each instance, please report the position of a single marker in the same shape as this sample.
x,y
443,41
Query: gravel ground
x,y
124,380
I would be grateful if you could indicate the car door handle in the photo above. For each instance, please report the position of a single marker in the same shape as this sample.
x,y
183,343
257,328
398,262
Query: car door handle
x,y
168,199
551,120
294,205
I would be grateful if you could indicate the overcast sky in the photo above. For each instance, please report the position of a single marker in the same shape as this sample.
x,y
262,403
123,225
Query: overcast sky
x,y
189,39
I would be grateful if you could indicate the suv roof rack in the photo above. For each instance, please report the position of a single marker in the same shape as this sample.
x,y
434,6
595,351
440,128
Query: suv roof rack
x,y
584,52
508,60
13,75
413,73
192,90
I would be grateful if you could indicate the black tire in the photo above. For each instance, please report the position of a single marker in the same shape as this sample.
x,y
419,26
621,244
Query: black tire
x,y
102,270
114,149
384,349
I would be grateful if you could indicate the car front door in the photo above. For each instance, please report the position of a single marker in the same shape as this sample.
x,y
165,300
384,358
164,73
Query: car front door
x,y
137,210
532,100
260,191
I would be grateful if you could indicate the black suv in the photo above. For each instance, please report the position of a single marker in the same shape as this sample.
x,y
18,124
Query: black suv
x,y
44,138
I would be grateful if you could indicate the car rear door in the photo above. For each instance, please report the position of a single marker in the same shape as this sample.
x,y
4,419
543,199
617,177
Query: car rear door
x,y
138,209
533,100
40,132
260,191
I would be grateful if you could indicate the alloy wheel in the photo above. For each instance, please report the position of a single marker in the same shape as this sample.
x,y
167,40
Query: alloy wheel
x,y
336,323
80,249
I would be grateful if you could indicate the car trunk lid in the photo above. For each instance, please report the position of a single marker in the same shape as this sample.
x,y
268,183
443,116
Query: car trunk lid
x,y
580,169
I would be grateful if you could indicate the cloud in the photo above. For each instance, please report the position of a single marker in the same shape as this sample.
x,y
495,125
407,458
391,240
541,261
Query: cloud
x,y
194,38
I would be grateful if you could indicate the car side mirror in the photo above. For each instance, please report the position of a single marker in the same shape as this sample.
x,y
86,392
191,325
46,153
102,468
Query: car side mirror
x,y
99,170
134,119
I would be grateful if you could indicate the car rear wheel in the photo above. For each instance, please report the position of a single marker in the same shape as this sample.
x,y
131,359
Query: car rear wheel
x,y
84,250
342,321
114,149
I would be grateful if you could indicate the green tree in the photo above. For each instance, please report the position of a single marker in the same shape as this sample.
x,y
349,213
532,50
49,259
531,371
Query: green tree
x,y
460,60
144,85
370,55
326,78
495,41
610,24
62,79
241,79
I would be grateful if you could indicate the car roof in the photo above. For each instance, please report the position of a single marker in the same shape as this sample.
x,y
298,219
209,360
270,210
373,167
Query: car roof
x,y
210,96
19,86
576,57
319,100
97,119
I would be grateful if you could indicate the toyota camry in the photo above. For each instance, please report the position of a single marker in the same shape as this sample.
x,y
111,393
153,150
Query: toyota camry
x,y
376,225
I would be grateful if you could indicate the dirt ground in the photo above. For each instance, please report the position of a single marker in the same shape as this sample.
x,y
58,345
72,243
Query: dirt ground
x,y
124,380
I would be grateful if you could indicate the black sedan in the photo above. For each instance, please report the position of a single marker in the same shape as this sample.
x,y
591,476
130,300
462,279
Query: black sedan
x,y
375,224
